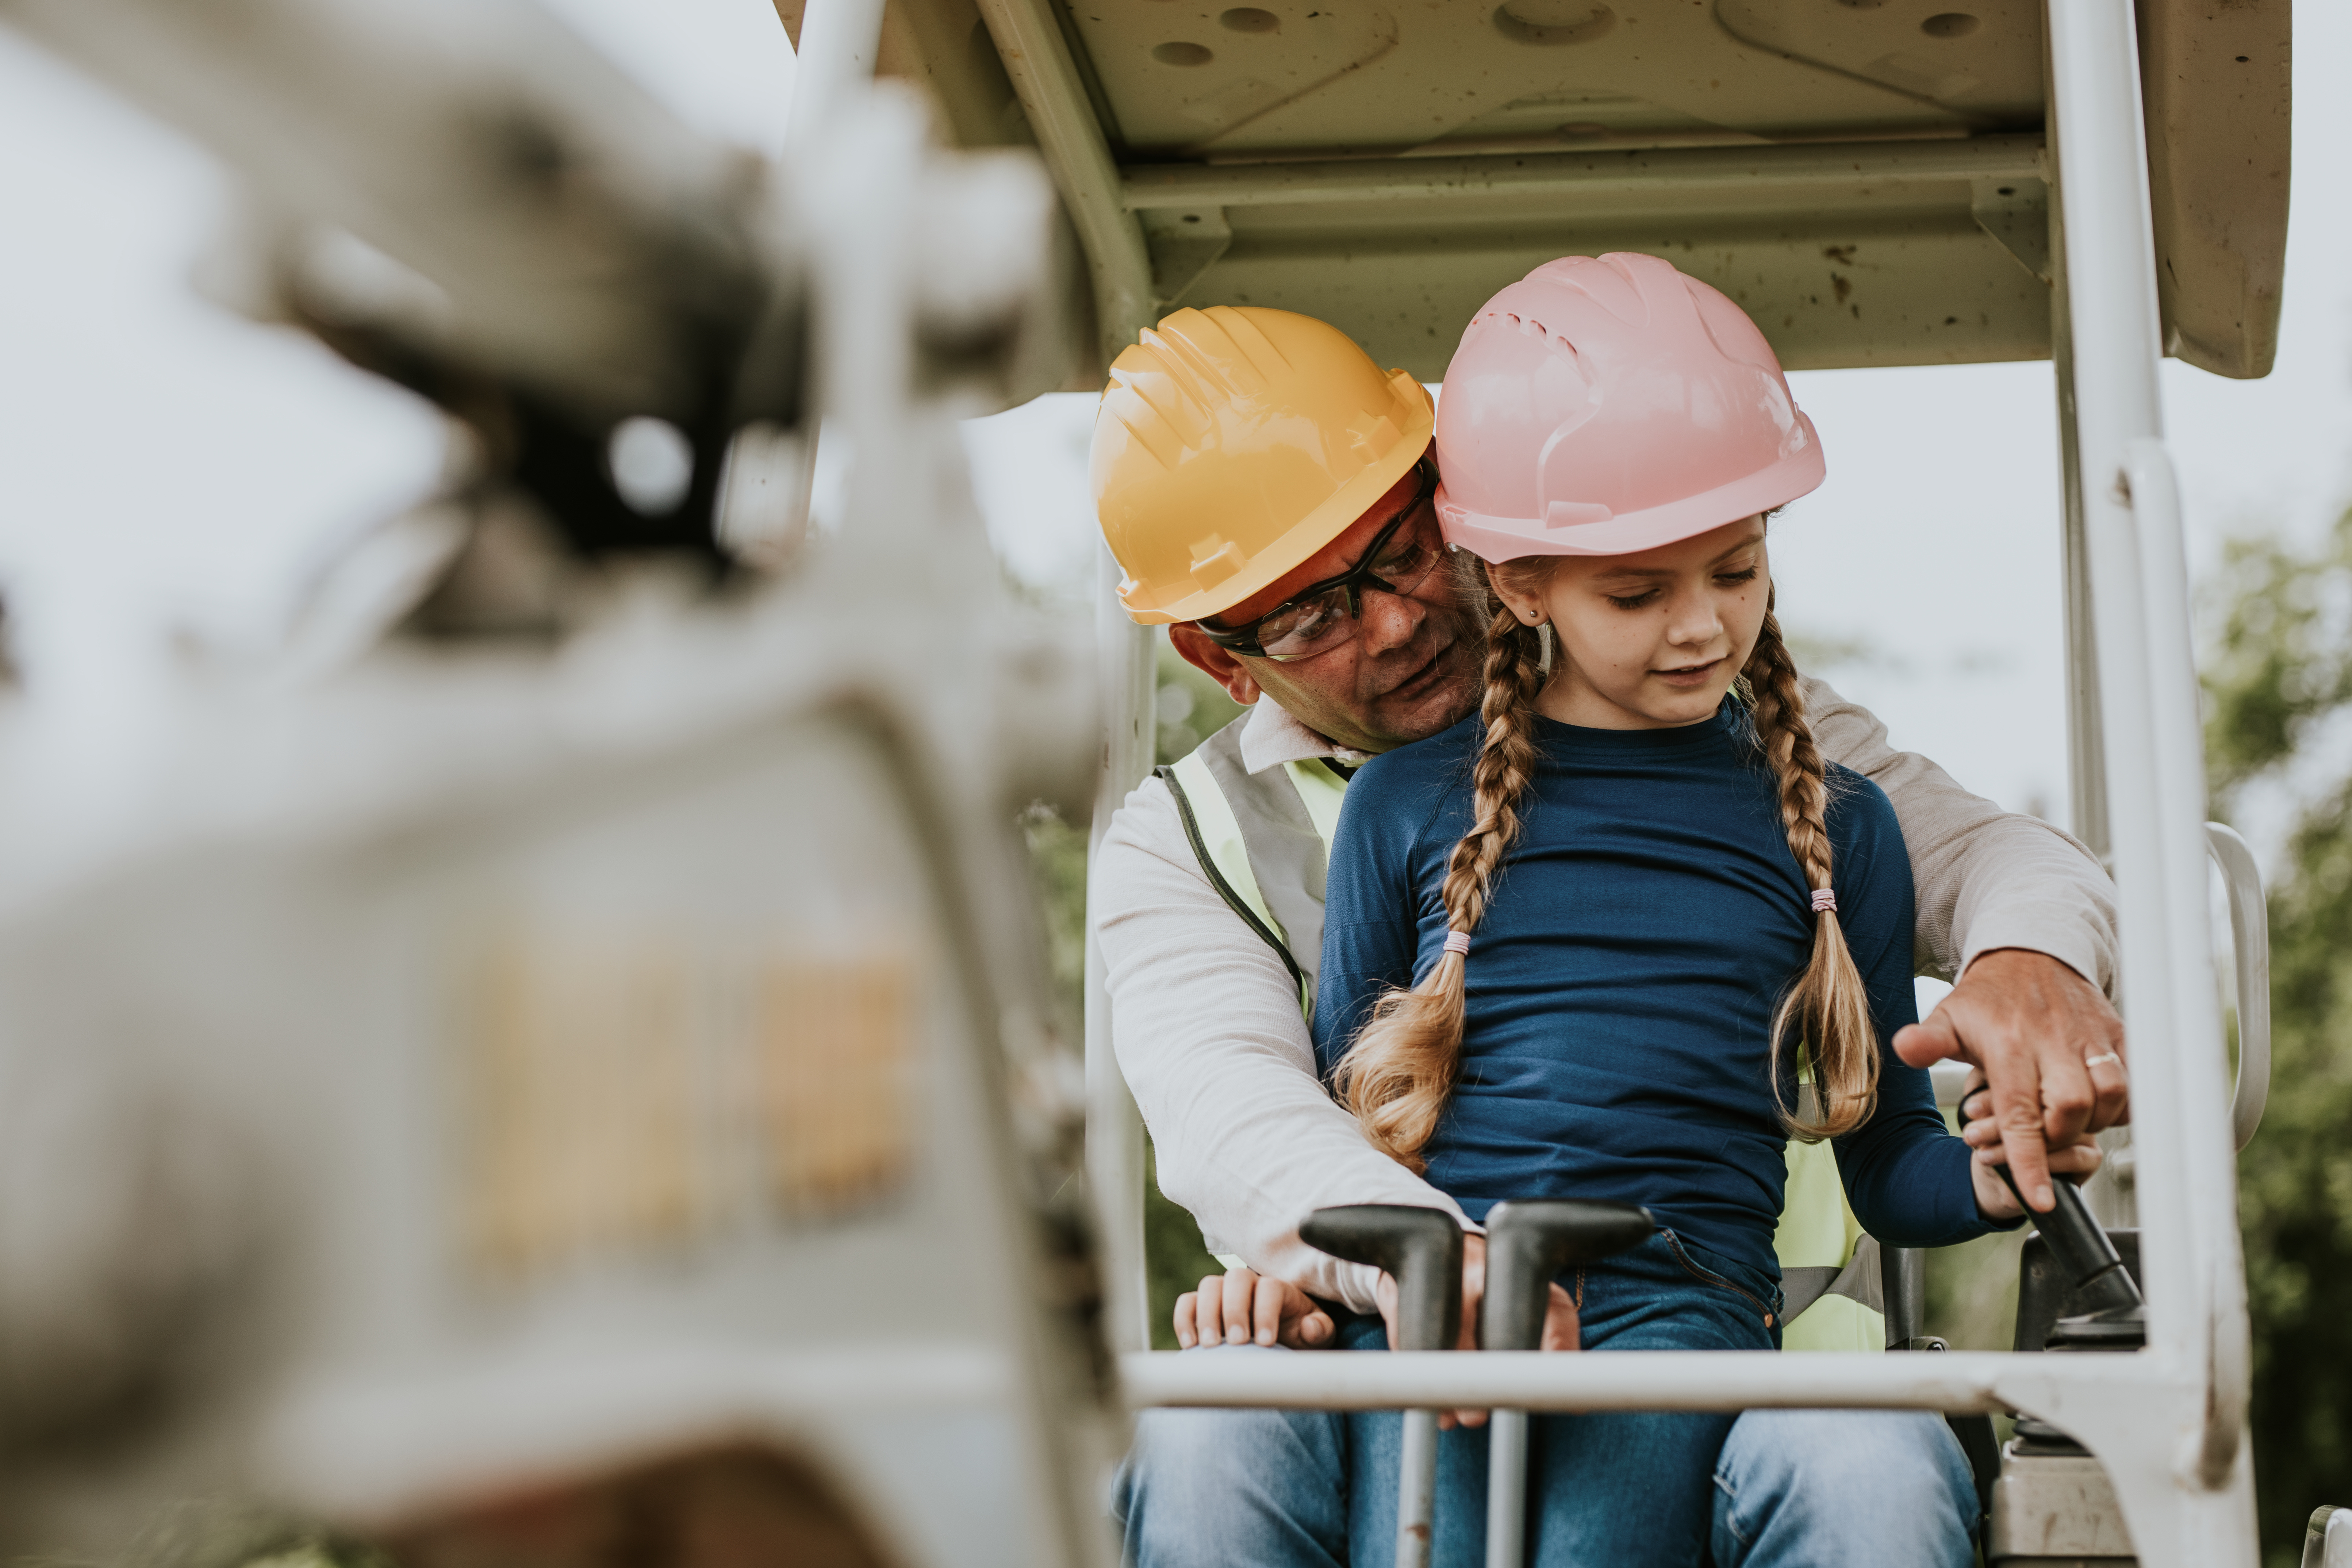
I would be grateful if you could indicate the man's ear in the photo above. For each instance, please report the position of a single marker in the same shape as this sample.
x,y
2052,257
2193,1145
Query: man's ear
x,y
1218,664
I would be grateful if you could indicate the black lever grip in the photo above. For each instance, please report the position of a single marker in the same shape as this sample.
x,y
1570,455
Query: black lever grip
x,y
2095,1276
1419,1248
1529,1242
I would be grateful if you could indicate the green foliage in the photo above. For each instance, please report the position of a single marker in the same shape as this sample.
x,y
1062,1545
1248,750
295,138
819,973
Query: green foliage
x,y
1057,860
1191,707
2278,669
1174,1259
2279,659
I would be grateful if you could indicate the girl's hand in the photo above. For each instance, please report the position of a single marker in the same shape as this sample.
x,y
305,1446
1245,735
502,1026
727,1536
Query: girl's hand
x,y
1559,1329
1994,1200
1244,1307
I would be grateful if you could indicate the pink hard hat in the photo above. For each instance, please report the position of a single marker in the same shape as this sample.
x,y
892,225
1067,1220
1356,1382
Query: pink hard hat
x,y
1601,408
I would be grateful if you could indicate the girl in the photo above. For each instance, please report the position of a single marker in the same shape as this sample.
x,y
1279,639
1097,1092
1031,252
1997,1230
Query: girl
x,y
1623,933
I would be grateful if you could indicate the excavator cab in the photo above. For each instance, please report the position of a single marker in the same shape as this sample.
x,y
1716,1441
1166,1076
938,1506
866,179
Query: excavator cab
x,y
2099,182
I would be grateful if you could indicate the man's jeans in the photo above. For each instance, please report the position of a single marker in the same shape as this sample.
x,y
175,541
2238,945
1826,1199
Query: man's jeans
x,y
1319,1487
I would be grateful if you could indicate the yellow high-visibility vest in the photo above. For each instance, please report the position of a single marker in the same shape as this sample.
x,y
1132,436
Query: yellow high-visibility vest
x,y
1264,840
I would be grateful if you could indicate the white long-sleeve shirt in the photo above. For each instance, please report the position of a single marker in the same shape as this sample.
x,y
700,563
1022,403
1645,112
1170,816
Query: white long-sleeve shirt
x,y
1206,1022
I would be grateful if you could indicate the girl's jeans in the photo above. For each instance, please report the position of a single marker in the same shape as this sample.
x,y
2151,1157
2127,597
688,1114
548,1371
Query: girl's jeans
x,y
1772,1488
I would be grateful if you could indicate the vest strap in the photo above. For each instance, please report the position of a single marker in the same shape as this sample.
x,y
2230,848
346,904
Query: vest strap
x,y
1225,890
1284,845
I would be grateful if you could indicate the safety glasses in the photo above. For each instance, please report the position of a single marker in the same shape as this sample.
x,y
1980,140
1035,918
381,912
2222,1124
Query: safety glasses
x,y
1326,615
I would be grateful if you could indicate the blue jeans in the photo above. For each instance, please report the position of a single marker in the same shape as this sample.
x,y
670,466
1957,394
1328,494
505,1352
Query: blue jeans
x,y
1771,1489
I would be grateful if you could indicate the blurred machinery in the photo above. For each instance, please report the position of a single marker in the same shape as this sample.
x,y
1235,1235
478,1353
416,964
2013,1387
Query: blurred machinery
x,y
560,1070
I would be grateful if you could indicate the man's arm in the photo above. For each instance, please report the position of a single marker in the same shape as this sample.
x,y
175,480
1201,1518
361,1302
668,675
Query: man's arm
x,y
1210,1037
1985,878
2023,916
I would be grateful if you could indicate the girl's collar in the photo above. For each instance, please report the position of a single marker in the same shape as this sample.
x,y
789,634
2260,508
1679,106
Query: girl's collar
x,y
1729,720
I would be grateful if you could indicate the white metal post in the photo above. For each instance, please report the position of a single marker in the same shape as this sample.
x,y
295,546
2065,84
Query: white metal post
x,y
2112,311
2208,1149
1416,1488
2085,767
1507,1489
1114,1130
2110,1194
2154,796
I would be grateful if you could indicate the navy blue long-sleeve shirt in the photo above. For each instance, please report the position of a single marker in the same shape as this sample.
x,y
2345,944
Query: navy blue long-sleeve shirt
x,y
1622,985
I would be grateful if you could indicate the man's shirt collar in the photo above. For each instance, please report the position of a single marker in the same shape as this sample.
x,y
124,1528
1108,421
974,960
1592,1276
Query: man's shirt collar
x,y
1272,737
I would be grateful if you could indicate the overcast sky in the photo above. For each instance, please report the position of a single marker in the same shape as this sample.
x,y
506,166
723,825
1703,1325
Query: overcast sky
x,y
161,462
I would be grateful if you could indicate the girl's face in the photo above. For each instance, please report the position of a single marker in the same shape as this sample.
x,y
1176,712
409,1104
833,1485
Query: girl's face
x,y
1651,640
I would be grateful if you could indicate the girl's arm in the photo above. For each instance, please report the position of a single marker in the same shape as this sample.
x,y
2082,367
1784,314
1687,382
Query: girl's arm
x,y
1906,1174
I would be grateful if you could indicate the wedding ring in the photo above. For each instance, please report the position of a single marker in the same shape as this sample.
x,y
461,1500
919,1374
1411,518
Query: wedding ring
x,y
2103,1056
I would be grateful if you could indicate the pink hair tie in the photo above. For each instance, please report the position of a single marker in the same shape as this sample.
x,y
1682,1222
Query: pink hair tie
x,y
1458,942
1824,900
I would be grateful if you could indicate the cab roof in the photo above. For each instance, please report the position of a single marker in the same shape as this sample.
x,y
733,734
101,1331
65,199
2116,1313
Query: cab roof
x,y
1869,178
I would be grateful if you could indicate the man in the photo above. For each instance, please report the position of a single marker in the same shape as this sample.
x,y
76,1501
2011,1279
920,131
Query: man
x,y
1252,470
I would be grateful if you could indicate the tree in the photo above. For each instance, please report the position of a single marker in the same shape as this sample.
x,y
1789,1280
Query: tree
x,y
2278,684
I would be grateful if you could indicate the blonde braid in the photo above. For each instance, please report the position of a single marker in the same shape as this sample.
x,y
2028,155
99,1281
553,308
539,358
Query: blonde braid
x,y
1829,1007
1401,1067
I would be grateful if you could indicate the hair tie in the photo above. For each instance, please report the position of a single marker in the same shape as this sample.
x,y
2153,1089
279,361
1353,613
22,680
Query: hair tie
x,y
1458,942
1824,900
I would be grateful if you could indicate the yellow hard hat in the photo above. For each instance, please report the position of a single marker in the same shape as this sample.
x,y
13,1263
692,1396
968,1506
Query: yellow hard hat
x,y
1233,443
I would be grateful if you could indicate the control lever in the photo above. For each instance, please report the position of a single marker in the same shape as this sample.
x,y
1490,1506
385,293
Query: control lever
x,y
1421,1249
1529,1243
2094,1273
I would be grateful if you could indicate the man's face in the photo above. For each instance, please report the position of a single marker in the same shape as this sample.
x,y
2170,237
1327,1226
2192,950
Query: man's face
x,y
1411,670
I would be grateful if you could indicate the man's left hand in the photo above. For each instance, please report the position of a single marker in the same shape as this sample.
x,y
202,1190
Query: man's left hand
x,y
1243,1307
2049,1045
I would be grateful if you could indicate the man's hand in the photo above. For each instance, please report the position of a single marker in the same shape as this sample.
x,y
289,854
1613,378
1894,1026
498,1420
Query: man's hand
x,y
1246,1308
1559,1331
2051,1046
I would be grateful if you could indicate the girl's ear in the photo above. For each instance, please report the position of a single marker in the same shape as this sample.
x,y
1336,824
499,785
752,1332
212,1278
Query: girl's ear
x,y
1521,591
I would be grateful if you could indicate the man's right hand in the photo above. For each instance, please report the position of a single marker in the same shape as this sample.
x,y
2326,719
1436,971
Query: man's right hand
x,y
2052,1046
1244,1307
